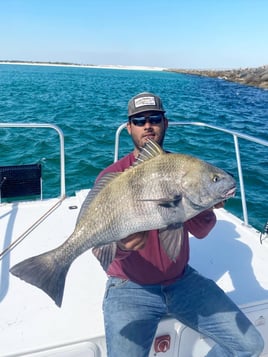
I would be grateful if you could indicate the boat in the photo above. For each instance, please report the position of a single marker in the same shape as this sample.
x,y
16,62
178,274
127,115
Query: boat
x,y
234,254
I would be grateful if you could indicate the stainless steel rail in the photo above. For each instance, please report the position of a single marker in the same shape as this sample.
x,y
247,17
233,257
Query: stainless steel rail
x,y
235,136
61,137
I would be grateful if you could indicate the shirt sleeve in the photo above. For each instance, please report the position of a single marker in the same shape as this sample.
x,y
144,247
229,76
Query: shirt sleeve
x,y
200,225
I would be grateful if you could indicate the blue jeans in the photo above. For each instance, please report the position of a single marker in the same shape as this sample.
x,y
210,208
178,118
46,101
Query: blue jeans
x,y
132,313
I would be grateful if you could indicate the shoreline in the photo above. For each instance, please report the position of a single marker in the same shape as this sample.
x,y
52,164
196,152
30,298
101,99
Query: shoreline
x,y
63,64
256,76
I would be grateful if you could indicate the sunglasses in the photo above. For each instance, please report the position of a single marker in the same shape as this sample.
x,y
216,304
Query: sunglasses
x,y
152,119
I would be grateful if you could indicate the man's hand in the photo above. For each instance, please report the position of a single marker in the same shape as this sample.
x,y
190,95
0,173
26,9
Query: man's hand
x,y
135,241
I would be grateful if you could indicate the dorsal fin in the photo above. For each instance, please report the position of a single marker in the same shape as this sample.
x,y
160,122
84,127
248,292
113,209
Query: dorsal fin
x,y
151,149
103,181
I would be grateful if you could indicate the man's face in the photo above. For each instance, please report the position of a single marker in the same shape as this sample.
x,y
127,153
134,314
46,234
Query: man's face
x,y
147,125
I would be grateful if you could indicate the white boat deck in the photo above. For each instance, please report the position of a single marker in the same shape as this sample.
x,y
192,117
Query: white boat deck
x,y
29,318
233,256
31,323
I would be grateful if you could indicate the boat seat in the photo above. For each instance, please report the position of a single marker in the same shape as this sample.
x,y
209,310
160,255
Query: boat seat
x,y
20,182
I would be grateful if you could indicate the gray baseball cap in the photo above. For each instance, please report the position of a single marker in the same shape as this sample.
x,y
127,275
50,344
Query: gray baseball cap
x,y
145,102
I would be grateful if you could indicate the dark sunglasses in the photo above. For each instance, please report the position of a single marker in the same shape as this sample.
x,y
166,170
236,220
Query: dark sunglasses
x,y
152,119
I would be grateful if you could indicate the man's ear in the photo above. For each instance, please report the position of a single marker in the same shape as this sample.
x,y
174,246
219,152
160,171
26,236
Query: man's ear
x,y
129,127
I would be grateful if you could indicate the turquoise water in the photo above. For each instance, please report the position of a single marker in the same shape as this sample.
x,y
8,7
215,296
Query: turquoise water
x,y
88,105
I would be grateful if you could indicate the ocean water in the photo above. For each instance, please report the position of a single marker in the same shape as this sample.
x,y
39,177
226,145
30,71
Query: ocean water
x,y
88,104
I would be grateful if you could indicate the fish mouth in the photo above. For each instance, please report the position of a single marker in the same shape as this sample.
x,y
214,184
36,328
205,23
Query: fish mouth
x,y
230,192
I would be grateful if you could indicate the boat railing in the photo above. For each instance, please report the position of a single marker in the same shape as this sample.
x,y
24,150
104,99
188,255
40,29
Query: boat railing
x,y
234,134
61,140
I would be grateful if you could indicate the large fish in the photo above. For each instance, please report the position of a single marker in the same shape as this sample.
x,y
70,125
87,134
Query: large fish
x,y
160,191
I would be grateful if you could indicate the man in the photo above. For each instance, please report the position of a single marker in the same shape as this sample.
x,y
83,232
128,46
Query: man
x,y
144,285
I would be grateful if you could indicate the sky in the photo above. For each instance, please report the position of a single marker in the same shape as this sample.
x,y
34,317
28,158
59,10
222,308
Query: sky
x,y
185,34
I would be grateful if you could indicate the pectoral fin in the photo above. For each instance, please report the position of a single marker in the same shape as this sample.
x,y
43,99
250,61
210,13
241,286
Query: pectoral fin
x,y
105,254
166,202
171,239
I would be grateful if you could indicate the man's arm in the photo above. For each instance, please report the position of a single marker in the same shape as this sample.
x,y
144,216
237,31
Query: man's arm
x,y
202,224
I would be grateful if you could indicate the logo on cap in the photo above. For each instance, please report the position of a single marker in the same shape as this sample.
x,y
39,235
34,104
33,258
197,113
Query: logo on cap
x,y
143,101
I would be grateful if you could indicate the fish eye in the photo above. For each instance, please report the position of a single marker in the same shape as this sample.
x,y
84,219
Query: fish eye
x,y
215,178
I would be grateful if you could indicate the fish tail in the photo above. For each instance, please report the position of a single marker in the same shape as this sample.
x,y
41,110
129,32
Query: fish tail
x,y
45,272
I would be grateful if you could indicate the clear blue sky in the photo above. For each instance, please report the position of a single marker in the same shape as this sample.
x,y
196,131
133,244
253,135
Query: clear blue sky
x,y
166,33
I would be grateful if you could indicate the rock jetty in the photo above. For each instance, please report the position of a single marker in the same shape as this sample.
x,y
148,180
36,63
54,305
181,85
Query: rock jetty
x,y
257,77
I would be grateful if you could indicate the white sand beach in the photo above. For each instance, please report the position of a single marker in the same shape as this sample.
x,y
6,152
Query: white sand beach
x,y
102,66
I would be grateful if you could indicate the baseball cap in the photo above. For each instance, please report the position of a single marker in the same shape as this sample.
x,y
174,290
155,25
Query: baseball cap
x,y
144,102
